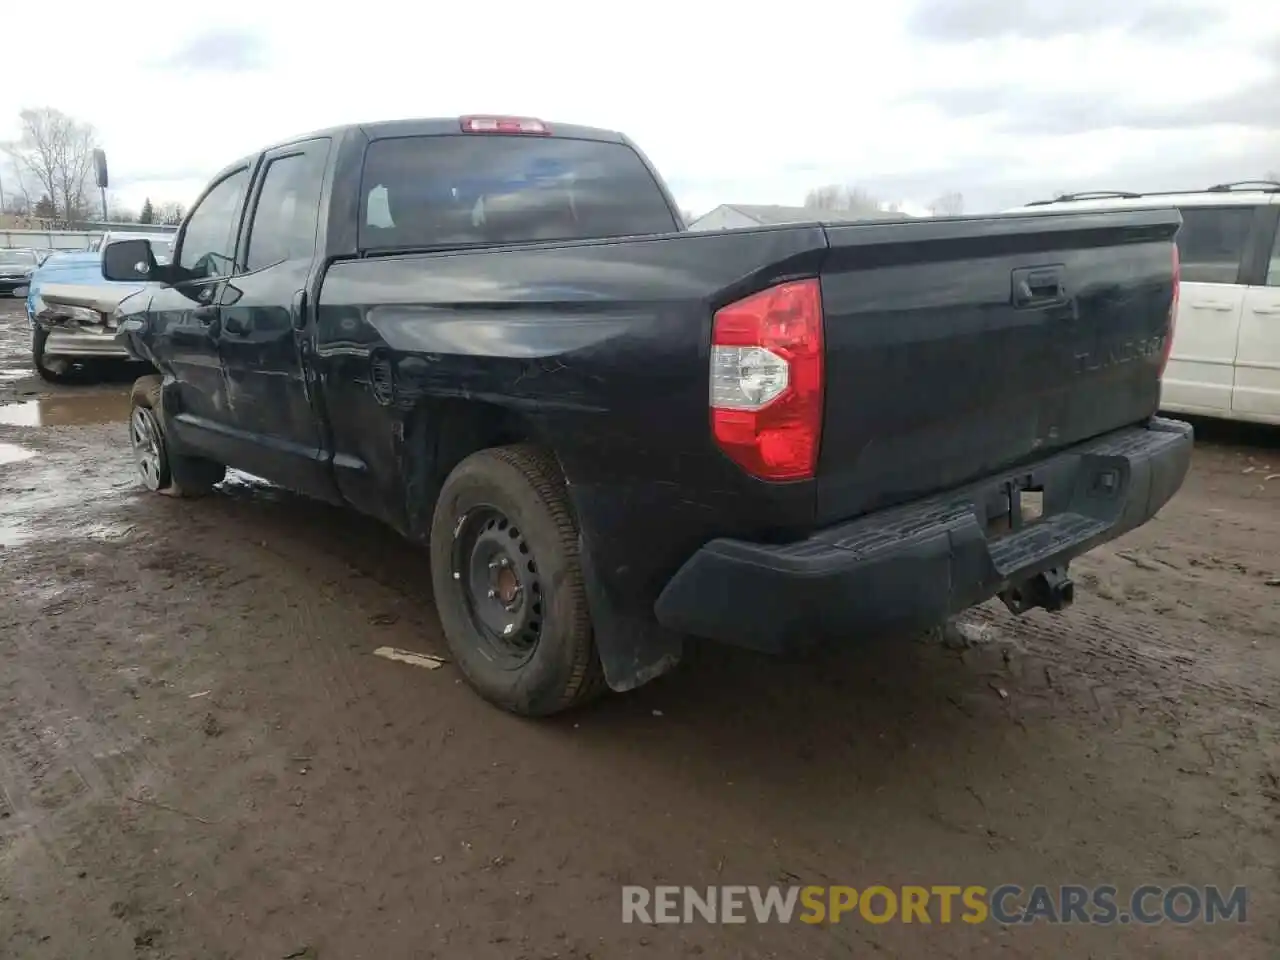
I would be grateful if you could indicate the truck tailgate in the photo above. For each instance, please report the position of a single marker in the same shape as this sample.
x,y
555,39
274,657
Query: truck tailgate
x,y
957,348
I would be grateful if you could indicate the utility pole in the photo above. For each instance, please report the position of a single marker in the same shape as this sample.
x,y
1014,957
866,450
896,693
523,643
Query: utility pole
x,y
100,176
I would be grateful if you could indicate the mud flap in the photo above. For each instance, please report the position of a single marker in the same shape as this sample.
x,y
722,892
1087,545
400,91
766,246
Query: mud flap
x,y
633,650
170,404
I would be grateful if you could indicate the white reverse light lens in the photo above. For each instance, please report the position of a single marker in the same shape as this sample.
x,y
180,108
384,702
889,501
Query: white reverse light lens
x,y
746,378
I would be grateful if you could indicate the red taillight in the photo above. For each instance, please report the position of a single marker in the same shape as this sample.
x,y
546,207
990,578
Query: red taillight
x,y
504,125
766,380
1173,311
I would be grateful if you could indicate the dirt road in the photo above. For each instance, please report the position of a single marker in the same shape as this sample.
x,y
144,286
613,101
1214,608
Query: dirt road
x,y
201,758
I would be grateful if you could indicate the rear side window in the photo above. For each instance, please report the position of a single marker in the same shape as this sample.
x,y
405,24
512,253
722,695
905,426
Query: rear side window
x,y
1273,265
468,189
1211,242
288,209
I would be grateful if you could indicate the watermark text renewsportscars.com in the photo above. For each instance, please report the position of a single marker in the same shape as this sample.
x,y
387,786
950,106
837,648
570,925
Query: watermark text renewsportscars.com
x,y
939,903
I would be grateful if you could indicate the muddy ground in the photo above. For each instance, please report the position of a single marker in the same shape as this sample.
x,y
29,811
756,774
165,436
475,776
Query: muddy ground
x,y
200,757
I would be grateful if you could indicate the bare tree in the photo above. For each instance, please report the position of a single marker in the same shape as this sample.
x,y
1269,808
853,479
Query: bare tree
x,y
17,187
13,199
842,198
830,197
170,213
948,205
53,157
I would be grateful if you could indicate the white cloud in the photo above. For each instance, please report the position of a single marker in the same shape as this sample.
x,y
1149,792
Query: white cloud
x,y
749,104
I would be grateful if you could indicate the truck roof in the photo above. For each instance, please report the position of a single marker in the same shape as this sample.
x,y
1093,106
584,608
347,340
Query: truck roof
x,y
422,127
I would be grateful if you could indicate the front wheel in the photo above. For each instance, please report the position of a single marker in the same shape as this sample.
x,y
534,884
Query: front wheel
x,y
508,583
55,370
159,468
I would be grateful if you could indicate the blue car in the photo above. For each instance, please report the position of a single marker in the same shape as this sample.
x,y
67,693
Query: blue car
x,y
64,336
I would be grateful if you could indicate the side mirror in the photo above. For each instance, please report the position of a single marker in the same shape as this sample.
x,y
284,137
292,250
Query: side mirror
x,y
131,261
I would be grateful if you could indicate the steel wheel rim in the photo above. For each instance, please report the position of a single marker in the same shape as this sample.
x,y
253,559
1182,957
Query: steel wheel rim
x,y
497,573
144,432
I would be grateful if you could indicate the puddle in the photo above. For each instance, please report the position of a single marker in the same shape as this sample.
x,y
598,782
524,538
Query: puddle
x,y
53,498
13,534
71,410
12,453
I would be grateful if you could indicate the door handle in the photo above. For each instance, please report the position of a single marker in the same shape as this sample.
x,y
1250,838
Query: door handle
x,y
1039,286
298,310
205,314
1212,305
1266,311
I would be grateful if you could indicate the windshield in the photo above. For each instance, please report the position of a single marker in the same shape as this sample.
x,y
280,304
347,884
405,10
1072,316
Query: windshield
x,y
469,189
17,258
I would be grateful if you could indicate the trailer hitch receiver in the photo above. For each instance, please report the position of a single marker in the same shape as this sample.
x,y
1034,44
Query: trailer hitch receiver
x,y
1052,590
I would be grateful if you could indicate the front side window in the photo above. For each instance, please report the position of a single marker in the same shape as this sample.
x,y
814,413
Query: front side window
x,y
163,250
288,209
1211,242
209,242
17,258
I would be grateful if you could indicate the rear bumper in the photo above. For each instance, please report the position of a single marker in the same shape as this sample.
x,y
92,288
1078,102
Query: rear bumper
x,y
912,566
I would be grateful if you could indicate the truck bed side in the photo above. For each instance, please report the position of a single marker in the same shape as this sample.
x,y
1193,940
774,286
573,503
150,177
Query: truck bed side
x,y
600,350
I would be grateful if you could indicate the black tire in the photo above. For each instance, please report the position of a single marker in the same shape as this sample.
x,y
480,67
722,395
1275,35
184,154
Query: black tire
x,y
177,476
561,668
60,374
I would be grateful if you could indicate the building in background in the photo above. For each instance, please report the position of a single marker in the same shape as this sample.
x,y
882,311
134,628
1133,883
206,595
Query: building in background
x,y
736,216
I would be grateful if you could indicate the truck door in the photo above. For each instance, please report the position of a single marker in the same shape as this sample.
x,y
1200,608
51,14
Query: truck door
x,y
1257,384
183,319
263,345
1211,246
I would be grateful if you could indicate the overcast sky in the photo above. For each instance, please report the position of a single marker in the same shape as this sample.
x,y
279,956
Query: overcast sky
x,y
1002,100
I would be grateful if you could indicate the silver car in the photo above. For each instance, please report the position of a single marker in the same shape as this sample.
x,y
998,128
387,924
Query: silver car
x,y
70,308
16,267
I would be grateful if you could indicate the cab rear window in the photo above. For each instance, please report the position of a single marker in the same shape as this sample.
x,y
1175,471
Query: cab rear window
x,y
475,189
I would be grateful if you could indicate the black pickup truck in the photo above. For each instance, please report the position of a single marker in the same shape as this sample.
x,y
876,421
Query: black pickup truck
x,y
495,335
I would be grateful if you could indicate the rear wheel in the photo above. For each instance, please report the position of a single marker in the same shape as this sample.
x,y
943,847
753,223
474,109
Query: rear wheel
x,y
158,467
508,583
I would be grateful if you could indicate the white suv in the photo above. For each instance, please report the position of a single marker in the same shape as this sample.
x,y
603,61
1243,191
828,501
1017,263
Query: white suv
x,y
1226,347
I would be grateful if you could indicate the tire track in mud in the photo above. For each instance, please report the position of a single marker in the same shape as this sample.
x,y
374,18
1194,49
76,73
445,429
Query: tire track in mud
x,y
53,514
48,493
200,565
66,759
1132,651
